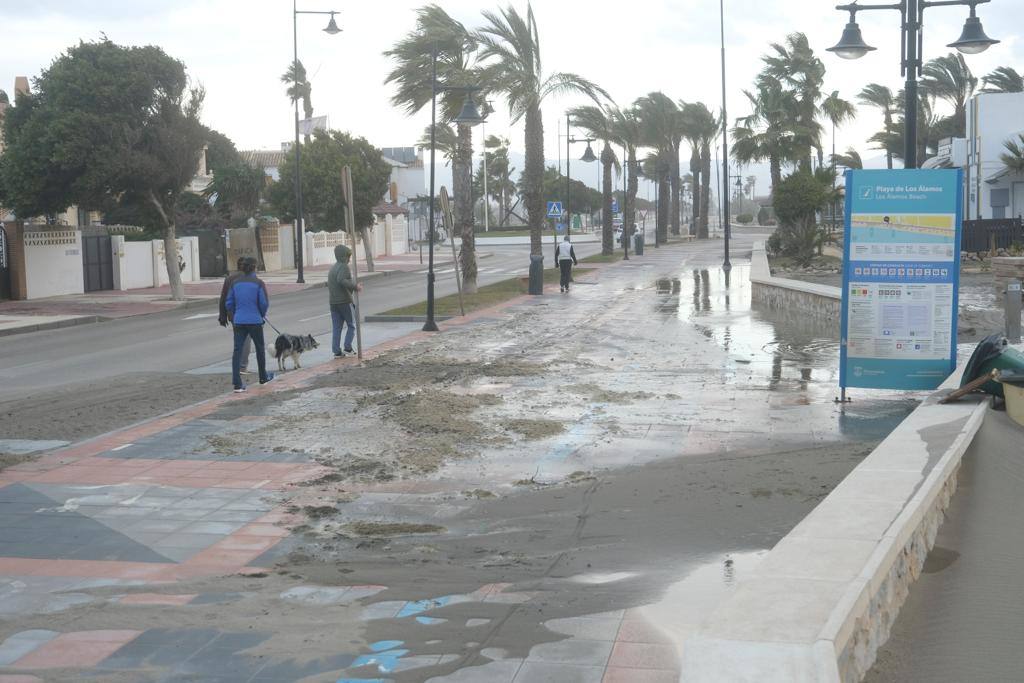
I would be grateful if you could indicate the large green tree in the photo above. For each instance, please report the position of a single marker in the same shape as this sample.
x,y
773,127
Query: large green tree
x,y
510,53
322,160
106,122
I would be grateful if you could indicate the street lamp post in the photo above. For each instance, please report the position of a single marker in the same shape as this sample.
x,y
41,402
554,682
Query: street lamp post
x,y
726,265
469,116
588,156
331,29
852,46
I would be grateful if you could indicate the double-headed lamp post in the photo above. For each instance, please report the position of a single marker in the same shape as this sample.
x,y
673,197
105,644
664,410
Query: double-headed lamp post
x,y
469,116
852,46
332,30
588,156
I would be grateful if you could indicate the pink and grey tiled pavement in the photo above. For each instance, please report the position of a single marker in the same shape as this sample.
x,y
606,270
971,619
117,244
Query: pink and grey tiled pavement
x,y
148,507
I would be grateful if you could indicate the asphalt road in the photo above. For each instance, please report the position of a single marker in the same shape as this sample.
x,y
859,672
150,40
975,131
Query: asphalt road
x,y
182,340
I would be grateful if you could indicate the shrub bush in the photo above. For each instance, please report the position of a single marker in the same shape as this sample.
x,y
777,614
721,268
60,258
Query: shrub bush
x,y
745,219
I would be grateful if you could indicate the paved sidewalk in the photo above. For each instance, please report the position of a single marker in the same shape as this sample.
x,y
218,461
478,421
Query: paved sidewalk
x,y
618,456
74,309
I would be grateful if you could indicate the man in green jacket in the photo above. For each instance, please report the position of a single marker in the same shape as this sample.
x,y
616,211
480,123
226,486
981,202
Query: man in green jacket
x,y
340,285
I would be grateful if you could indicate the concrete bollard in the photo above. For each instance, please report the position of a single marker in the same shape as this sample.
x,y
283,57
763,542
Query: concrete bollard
x,y
536,274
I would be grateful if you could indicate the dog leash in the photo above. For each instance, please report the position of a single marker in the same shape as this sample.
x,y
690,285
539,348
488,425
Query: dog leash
x,y
272,325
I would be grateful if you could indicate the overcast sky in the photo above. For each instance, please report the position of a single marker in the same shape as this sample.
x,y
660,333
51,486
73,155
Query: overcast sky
x,y
239,48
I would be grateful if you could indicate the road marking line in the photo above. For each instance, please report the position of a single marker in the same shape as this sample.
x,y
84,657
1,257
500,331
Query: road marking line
x,y
315,317
122,447
201,315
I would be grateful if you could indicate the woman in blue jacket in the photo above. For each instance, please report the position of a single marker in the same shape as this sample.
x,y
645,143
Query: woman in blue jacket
x,y
248,303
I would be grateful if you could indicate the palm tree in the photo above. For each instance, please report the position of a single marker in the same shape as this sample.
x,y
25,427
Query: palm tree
x,y
299,89
1003,79
800,74
704,126
949,78
1013,157
628,134
598,122
510,52
454,45
446,141
766,133
837,111
881,97
851,159
499,173
237,189
659,120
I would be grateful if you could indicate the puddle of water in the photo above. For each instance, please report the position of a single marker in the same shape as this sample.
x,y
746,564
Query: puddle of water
x,y
690,601
597,578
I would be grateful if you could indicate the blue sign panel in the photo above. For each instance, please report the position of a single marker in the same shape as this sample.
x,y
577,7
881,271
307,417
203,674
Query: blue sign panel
x,y
554,209
615,206
901,273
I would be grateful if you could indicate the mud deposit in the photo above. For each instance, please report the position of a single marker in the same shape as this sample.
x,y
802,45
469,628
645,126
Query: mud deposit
x,y
409,412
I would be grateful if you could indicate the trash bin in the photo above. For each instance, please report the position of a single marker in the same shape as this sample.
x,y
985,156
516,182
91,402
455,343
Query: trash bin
x,y
1013,388
638,244
992,353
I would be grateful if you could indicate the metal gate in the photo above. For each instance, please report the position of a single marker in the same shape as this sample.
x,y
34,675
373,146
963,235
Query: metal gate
x,y
212,258
5,266
98,262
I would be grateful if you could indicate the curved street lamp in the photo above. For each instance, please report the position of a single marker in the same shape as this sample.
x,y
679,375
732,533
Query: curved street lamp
x,y
972,41
333,30
588,156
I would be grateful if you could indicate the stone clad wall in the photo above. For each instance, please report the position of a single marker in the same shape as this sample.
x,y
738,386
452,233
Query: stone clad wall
x,y
821,302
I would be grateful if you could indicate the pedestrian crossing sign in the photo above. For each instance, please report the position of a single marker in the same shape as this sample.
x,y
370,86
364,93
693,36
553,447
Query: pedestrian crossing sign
x,y
554,209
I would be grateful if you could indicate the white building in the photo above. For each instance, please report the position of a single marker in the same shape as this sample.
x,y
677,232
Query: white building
x,y
992,191
407,173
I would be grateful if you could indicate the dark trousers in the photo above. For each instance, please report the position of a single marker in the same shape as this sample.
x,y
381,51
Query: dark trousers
x,y
243,332
566,266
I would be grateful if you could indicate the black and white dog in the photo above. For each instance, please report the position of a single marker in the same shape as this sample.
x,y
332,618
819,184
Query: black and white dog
x,y
290,346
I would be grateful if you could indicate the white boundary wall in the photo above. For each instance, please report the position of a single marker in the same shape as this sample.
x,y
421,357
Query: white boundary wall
x,y
140,265
53,262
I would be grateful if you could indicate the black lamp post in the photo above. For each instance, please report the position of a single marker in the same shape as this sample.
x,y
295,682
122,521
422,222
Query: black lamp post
x,y
852,46
331,29
726,265
588,156
469,116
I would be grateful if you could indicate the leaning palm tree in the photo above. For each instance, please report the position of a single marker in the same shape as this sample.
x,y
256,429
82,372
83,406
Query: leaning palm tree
x,y
797,71
446,141
766,134
436,32
850,159
1003,79
659,119
598,122
299,89
949,78
881,97
510,54
1013,157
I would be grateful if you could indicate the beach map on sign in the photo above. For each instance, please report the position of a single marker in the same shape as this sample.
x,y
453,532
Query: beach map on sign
x,y
909,237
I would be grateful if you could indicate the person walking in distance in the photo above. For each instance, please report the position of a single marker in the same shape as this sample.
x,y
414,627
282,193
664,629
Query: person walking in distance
x,y
247,304
340,287
223,319
565,257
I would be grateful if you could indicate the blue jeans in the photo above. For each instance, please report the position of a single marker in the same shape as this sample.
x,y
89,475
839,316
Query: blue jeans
x,y
342,314
242,333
